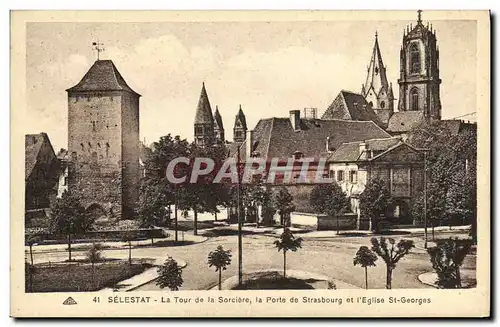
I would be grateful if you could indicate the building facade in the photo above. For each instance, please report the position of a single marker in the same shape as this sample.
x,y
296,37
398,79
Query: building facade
x,y
103,141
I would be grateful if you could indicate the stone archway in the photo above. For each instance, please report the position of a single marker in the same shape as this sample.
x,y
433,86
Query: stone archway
x,y
399,212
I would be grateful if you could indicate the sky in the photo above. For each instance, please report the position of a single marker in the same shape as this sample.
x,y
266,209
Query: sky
x,y
269,68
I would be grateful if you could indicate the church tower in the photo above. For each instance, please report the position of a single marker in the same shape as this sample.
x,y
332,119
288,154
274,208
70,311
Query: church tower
x,y
204,121
218,126
103,141
376,90
240,127
419,80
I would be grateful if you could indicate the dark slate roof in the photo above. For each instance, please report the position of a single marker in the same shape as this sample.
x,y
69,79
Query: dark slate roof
x,y
102,76
33,144
241,117
404,121
349,152
204,110
218,118
376,77
350,106
453,126
275,137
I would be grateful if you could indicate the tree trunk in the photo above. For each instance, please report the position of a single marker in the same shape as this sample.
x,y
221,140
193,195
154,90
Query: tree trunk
x,y
433,232
366,277
30,276
69,246
176,225
220,279
338,224
216,216
284,264
152,241
130,253
31,253
459,278
195,232
388,279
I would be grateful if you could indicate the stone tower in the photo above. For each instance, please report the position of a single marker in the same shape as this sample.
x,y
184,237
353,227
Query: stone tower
x,y
240,127
376,90
103,141
218,126
419,80
204,121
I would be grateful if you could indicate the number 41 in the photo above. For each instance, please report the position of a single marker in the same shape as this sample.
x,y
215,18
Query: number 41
x,y
97,299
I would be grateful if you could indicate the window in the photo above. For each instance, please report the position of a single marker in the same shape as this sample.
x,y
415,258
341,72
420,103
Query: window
x,y
353,176
198,130
414,59
332,174
298,155
65,181
414,99
382,104
93,126
237,134
340,176
400,181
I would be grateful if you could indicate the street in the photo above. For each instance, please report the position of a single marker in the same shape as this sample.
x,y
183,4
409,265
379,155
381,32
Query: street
x,y
328,256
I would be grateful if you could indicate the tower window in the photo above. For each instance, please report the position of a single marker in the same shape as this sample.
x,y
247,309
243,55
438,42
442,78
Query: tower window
x,y
414,59
382,104
414,99
93,126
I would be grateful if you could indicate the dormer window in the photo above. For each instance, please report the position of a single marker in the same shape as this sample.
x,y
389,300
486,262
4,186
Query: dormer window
x,y
298,155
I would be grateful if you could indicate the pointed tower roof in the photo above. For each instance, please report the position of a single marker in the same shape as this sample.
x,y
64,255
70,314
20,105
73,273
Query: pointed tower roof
x,y
203,111
376,77
218,118
241,117
102,76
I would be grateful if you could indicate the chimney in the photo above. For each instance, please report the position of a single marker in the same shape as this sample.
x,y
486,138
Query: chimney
x,y
363,151
249,144
295,119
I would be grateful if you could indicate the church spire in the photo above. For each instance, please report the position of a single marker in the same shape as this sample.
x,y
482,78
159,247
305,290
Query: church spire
x,y
376,78
218,126
204,120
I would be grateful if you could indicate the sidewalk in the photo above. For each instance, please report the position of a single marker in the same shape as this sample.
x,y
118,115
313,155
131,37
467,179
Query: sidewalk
x,y
117,245
142,278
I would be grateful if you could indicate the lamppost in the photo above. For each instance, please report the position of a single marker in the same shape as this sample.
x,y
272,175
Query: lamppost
x,y
240,241
425,198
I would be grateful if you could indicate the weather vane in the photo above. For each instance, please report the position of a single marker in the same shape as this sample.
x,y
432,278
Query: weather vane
x,y
419,15
98,47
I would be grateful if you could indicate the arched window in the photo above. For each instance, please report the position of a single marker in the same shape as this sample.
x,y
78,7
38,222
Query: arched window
x,y
414,99
414,59
382,104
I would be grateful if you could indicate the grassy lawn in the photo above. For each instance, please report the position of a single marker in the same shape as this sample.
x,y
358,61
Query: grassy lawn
x,y
274,281
79,277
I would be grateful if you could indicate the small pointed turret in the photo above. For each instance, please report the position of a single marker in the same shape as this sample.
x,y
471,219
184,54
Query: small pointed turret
x,y
204,120
240,126
218,126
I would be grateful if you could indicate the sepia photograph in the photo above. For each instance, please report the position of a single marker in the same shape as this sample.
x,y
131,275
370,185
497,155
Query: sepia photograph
x,y
325,163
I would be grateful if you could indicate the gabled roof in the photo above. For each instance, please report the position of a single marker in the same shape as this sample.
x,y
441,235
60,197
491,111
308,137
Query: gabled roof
x,y
350,106
404,121
240,116
203,111
276,138
376,77
218,119
349,152
102,76
33,144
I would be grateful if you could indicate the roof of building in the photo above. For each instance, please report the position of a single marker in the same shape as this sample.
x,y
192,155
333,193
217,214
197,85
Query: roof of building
x,y
204,110
218,118
33,144
102,76
240,116
404,121
349,152
276,138
350,106
376,77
